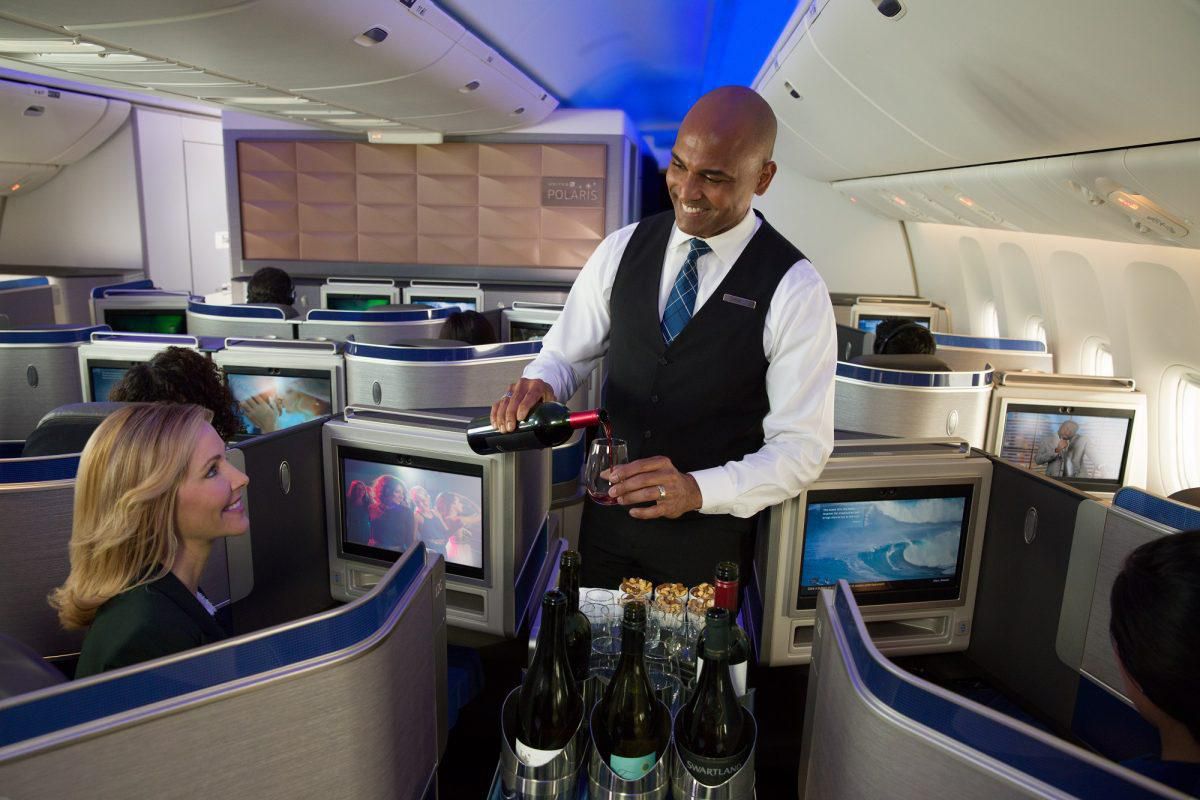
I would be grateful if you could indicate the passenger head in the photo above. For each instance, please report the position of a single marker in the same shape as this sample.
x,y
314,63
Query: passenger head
x,y
271,285
389,491
468,326
179,375
1155,605
721,159
1068,429
152,480
903,337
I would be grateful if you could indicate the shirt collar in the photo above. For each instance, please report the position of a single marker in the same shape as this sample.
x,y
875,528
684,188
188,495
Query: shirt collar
x,y
725,245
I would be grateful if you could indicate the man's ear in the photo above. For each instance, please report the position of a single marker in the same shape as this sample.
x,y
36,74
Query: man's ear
x,y
765,176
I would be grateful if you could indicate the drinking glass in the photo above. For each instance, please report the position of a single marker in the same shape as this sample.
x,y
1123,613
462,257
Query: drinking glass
x,y
601,617
602,596
605,653
604,454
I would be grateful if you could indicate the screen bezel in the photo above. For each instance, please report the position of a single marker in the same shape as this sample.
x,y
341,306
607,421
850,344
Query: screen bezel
x,y
105,363
422,294
277,372
514,325
332,296
928,322
147,312
1073,409
923,591
380,556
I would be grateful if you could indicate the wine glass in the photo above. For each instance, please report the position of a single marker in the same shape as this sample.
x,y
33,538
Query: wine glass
x,y
604,455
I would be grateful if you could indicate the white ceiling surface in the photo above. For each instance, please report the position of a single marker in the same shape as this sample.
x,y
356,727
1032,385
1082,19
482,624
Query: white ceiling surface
x,y
953,83
291,51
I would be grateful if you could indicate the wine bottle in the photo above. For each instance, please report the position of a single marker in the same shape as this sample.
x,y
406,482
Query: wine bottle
x,y
628,720
549,707
725,595
547,425
578,627
710,735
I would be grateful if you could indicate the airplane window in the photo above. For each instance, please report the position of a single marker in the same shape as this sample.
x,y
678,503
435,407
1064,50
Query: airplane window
x,y
1035,328
1097,357
991,319
1187,415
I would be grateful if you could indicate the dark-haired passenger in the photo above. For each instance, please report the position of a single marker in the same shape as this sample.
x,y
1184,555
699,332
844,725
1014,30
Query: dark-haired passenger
x,y
358,513
1155,605
393,526
468,326
272,286
903,337
180,375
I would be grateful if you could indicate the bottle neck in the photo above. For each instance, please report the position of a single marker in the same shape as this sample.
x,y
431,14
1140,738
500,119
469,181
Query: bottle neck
x,y
587,419
551,636
725,595
633,644
568,582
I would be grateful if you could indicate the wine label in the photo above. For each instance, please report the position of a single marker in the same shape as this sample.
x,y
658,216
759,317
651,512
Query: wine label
x,y
710,771
737,675
632,769
532,757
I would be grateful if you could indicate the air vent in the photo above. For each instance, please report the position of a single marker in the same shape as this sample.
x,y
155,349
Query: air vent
x,y
892,9
371,37
470,87
792,91
516,112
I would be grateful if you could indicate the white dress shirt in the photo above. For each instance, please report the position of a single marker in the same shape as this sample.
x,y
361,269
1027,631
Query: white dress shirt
x,y
799,342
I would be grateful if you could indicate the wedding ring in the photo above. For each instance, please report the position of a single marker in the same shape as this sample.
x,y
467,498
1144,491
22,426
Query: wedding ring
x,y
507,395
662,493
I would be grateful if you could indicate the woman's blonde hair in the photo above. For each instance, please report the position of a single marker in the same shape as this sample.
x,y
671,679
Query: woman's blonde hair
x,y
123,530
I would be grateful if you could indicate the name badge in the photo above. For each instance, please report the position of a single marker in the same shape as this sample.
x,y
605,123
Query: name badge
x,y
739,301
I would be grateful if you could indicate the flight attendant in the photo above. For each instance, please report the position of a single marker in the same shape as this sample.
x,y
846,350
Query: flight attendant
x,y
722,353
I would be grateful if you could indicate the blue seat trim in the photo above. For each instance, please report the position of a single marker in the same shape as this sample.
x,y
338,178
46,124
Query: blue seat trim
x,y
36,470
23,283
168,339
51,334
988,342
89,702
897,377
237,312
967,726
1109,726
405,315
100,291
1179,516
566,460
211,344
481,351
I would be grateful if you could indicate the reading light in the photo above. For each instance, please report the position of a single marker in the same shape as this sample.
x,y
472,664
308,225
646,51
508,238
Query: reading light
x,y
966,201
371,37
404,137
15,187
470,87
516,112
898,200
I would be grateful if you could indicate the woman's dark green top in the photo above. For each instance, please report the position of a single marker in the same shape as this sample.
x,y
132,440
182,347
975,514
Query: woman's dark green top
x,y
149,621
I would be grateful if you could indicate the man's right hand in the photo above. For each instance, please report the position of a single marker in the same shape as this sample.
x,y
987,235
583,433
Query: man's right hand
x,y
518,401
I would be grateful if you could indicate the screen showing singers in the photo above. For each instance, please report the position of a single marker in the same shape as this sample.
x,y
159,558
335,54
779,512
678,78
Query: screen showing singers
x,y
268,403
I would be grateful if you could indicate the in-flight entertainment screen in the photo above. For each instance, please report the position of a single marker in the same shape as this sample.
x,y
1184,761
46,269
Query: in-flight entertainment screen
x,y
893,545
270,399
356,302
527,331
104,375
457,303
1085,447
146,320
390,501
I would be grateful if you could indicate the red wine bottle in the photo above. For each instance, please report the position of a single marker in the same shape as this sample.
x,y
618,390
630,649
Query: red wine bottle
x,y
578,626
549,707
547,425
710,735
628,721
725,595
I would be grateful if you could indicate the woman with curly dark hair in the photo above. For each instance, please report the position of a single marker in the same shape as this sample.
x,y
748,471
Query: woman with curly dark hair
x,y
180,375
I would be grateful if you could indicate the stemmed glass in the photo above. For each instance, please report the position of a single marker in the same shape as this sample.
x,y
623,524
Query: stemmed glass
x,y
604,455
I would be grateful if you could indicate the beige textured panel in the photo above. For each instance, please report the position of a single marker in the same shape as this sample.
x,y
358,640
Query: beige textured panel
x,y
510,159
270,245
387,189
385,159
447,220
508,252
448,159
573,223
448,249
333,217
448,190
510,223
326,187
325,157
267,156
387,219
510,191
269,216
272,186
386,248
565,252
573,160
328,246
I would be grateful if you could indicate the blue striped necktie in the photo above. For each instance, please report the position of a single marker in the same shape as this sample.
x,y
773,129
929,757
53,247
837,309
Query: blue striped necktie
x,y
682,300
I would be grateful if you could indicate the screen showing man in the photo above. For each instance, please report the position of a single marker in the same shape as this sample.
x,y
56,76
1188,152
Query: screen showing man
x,y
388,507
456,303
891,545
267,402
1087,446
869,324
159,320
104,378
356,302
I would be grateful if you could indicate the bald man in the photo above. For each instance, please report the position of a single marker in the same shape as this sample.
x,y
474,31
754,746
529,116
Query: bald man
x,y
722,348
1065,454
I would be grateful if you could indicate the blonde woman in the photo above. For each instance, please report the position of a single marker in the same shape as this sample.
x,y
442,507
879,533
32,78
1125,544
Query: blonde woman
x,y
153,493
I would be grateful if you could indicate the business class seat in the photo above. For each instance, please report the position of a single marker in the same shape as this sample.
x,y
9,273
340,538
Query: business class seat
x,y
39,371
963,352
912,362
67,429
22,670
382,325
1189,496
250,321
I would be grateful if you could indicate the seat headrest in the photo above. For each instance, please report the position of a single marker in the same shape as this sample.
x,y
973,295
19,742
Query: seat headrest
x,y
289,312
914,362
430,343
66,429
1189,496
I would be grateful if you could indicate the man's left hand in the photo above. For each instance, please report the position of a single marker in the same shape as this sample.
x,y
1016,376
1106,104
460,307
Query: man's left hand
x,y
654,480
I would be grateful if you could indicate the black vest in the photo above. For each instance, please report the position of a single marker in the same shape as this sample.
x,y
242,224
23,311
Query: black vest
x,y
701,400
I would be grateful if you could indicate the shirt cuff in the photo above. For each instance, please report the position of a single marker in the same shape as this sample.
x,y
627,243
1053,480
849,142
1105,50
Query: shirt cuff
x,y
717,491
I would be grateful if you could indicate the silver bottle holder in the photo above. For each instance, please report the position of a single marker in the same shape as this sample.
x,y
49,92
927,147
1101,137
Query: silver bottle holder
x,y
557,779
604,784
739,786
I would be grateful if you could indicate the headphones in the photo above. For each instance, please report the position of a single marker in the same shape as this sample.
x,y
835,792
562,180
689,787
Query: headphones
x,y
881,344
